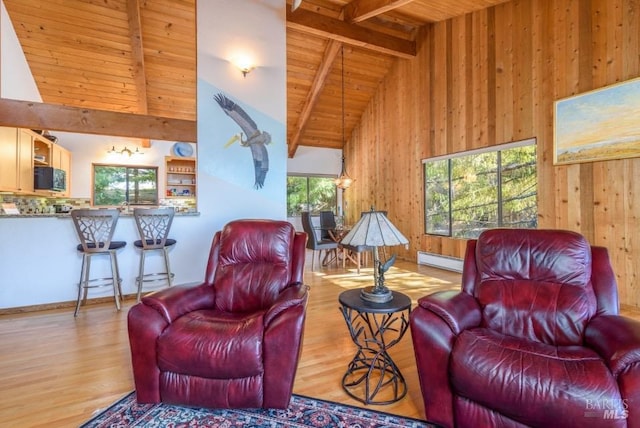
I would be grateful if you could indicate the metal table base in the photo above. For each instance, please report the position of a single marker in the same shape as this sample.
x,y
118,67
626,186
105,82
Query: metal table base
x,y
374,328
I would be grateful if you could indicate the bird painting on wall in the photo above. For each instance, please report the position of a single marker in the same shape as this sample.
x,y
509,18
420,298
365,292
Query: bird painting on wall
x,y
256,140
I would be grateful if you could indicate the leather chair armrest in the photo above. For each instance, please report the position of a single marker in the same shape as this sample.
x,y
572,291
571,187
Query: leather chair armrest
x,y
173,302
435,324
283,333
458,309
294,295
145,325
616,339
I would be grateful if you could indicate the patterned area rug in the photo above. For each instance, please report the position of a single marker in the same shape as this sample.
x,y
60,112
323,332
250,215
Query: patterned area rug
x,y
303,412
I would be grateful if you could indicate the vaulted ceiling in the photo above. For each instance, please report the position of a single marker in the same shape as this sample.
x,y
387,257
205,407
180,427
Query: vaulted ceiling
x,y
139,56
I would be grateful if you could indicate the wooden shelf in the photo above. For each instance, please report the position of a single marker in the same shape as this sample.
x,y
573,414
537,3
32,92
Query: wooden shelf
x,y
177,170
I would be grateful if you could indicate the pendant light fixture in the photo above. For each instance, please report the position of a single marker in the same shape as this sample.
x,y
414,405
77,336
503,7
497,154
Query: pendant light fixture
x,y
343,181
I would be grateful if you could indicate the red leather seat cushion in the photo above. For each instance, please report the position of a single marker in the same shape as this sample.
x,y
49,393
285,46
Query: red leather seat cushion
x,y
530,382
207,343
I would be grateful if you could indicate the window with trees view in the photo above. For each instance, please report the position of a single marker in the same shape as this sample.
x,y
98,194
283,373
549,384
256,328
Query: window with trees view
x,y
469,192
116,184
310,193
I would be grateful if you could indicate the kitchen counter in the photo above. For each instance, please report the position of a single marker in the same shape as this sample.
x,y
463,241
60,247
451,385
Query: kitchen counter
x,y
40,263
68,215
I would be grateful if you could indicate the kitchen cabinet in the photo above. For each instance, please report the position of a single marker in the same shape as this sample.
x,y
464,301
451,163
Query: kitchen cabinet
x,y
8,158
16,160
25,161
61,159
180,175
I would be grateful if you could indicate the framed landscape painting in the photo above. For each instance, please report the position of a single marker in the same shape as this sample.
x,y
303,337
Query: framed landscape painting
x,y
598,125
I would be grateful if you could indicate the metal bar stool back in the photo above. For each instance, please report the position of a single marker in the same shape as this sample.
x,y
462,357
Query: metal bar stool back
x,y
153,228
95,229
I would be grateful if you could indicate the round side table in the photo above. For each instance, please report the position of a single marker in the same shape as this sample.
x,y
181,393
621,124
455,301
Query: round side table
x,y
374,328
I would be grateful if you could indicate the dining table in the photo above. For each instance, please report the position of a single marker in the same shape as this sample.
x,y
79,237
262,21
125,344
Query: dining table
x,y
336,234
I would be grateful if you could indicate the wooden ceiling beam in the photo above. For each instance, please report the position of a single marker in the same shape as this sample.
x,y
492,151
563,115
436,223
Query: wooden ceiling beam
x,y
361,10
137,58
336,29
53,117
330,53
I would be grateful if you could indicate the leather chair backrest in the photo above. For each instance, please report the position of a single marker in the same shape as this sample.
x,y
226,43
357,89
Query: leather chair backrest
x,y
254,264
535,284
307,226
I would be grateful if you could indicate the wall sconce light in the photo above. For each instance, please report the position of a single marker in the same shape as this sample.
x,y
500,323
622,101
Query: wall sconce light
x,y
244,63
124,152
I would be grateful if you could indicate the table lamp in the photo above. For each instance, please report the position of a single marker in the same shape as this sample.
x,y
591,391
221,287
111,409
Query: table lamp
x,y
375,230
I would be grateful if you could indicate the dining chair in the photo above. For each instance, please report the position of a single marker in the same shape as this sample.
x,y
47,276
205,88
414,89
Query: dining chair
x,y
314,242
328,225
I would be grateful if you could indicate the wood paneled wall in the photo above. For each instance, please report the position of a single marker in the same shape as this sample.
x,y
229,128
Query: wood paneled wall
x,y
491,77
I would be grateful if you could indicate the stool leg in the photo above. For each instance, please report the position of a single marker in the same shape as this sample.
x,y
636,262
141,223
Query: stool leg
x,y
165,252
87,274
82,284
115,279
140,274
118,277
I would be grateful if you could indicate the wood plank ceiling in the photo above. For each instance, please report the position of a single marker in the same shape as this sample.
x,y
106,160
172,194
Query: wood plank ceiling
x,y
137,56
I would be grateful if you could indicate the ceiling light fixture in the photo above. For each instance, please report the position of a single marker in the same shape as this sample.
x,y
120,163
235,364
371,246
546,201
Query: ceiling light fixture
x,y
343,181
125,151
296,4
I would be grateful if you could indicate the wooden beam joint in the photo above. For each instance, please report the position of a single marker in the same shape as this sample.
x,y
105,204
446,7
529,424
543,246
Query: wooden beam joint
x,y
324,26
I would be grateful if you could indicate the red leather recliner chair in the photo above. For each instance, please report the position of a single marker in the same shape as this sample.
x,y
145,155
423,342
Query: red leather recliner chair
x,y
234,340
533,339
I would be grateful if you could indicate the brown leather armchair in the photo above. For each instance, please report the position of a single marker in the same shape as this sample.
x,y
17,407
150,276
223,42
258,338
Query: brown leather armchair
x,y
234,340
533,338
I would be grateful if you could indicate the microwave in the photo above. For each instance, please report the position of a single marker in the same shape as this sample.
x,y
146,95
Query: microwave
x,y
49,178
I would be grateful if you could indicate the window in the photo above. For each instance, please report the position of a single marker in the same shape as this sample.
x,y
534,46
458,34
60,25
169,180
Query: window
x,y
473,191
116,184
310,193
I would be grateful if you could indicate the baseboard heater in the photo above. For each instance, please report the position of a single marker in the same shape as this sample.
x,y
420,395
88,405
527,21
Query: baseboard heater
x,y
440,261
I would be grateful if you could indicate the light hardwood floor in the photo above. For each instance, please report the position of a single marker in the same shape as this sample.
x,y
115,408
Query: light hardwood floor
x,y
57,370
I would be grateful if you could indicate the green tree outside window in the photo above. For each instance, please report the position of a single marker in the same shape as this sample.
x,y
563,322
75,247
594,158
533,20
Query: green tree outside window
x,y
116,184
468,193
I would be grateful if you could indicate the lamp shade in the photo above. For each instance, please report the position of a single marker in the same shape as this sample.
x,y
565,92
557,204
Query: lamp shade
x,y
374,230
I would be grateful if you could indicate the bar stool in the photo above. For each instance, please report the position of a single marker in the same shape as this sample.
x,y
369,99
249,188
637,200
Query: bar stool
x,y
153,227
95,229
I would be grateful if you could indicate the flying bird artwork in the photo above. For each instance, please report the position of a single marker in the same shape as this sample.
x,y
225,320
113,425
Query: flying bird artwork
x,y
256,140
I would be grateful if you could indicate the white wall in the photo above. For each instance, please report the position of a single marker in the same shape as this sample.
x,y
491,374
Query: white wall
x,y
88,149
255,29
313,160
16,81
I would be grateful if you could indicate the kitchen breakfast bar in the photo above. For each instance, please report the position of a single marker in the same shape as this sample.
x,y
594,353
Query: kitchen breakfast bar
x,y
40,265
